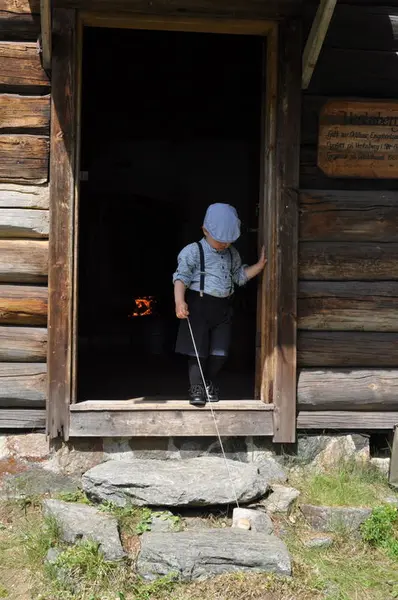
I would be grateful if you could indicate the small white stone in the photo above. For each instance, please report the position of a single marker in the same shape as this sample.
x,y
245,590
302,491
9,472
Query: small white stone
x,y
258,521
281,499
382,464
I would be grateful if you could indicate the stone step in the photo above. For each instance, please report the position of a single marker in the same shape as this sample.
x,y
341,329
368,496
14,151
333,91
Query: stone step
x,y
193,555
199,481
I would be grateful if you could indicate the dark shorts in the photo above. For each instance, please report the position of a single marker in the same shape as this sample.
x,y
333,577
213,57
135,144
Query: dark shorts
x,y
211,320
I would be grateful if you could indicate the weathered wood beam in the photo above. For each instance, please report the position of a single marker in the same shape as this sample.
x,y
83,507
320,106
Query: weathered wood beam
x,y
315,39
21,418
24,114
24,196
23,385
349,305
24,158
19,19
20,66
23,223
333,419
45,27
347,261
348,216
358,349
348,389
23,344
23,261
23,305
177,422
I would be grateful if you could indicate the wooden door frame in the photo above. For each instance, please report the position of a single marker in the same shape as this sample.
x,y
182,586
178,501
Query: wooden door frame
x,y
276,364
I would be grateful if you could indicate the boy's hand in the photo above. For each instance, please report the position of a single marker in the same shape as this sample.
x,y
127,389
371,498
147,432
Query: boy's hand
x,y
262,260
182,311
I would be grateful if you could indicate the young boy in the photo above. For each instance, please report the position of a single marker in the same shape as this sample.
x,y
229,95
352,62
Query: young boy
x,y
204,281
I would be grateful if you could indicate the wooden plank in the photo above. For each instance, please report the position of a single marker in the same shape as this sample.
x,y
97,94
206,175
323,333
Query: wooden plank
x,y
348,216
24,114
348,261
316,38
45,31
23,344
327,420
20,66
24,196
62,167
288,144
19,19
21,418
23,223
216,8
24,158
348,389
266,297
355,306
23,261
144,423
347,349
358,138
23,305
155,404
23,385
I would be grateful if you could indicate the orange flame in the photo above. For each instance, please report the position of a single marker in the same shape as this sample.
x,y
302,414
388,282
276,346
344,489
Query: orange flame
x,y
143,306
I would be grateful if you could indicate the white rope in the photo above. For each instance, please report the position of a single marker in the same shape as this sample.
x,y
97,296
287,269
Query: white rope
x,y
212,412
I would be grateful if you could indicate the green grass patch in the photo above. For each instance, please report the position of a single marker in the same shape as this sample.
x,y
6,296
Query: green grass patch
x,y
348,484
77,496
381,530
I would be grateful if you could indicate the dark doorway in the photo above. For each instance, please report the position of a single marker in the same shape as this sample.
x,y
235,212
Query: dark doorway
x,y
171,122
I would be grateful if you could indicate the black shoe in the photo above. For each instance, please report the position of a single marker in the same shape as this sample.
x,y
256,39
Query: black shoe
x,y
198,395
212,392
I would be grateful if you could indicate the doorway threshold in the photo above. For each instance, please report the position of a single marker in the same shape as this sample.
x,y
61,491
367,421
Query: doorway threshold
x,y
145,417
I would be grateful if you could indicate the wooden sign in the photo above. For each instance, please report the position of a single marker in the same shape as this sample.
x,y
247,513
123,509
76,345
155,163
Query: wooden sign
x,y
359,139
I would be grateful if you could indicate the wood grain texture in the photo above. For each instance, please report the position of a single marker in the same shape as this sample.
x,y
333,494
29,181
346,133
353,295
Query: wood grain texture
x,y
23,261
23,223
347,349
288,143
24,158
23,385
23,344
327,420
144,423
19,19
351,305
23,305
217,8
24,196
348,261
62,189
348,216
20,66
23,419
24,114
348,389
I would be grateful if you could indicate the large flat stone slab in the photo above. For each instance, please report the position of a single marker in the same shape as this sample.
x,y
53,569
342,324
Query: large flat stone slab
x,y
200,481
202,554
80,522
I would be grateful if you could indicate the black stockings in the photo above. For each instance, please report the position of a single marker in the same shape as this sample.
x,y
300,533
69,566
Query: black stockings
x,y
211,368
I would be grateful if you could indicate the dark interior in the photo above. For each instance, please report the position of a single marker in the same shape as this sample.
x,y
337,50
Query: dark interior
x,y
171,122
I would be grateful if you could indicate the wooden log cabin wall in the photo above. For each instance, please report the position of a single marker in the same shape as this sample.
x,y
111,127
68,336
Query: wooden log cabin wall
x,y
348,242
24,217
347,349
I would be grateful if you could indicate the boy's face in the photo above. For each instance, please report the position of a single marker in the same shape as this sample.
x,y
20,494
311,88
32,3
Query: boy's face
x,y
213,243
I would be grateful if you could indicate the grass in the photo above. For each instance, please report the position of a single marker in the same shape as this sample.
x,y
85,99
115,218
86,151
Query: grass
x,y
381,530
349,484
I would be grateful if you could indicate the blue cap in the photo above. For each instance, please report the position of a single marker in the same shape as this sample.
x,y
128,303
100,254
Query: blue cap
x,y
222,222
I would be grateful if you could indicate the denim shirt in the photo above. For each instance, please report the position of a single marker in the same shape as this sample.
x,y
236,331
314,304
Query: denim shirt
x,y
220,274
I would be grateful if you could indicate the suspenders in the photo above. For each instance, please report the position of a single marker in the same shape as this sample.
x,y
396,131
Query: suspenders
x,y
202,268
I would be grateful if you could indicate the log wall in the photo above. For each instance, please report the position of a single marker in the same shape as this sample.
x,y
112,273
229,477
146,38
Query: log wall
x,y
348,236
24,217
